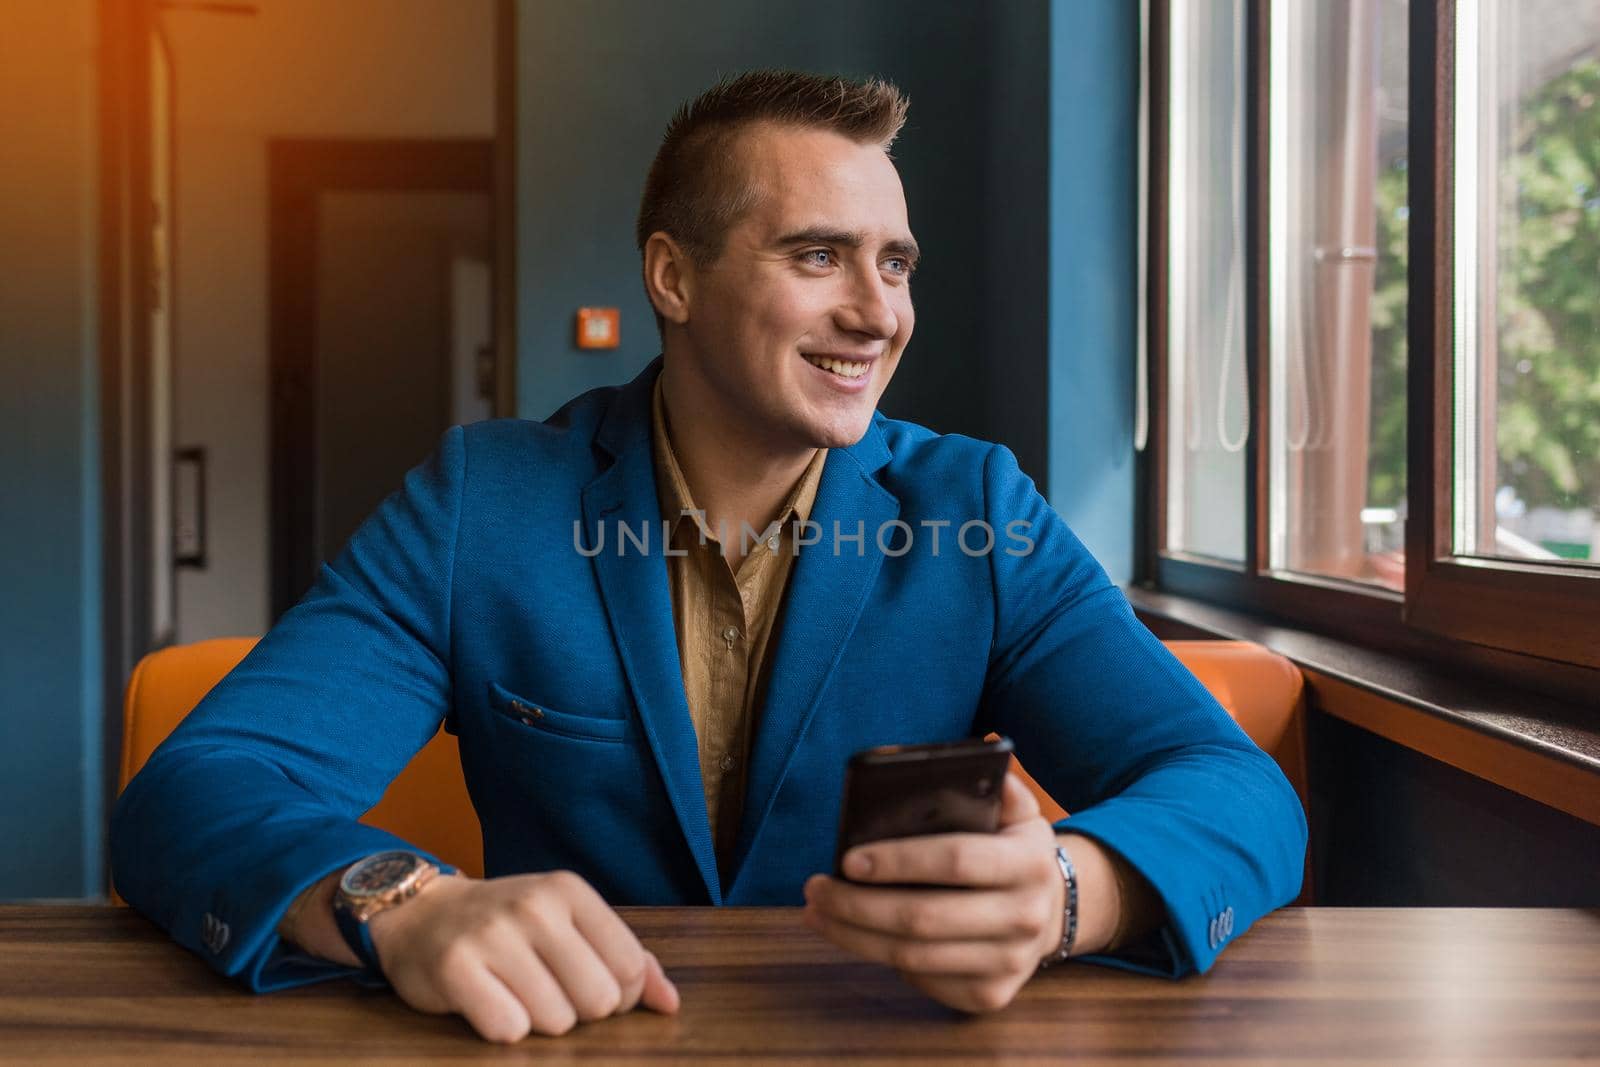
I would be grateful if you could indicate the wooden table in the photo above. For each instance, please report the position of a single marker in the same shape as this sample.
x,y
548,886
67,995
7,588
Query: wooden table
x,y
1318,985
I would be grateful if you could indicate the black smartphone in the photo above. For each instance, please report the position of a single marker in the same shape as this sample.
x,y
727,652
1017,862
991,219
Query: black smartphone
x,y
907,790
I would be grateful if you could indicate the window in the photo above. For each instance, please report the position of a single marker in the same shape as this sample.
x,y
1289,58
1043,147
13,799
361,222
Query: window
x,y
1209,404
1374,320
1527,279
1337,336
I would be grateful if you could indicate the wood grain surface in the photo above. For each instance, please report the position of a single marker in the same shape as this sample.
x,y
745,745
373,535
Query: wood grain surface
x,y
1305,985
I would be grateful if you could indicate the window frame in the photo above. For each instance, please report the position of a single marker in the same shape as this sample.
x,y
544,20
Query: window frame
x,y
1525,622
1524,607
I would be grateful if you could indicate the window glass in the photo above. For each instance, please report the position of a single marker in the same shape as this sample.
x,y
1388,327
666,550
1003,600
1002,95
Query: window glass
x,y
1527,317
1338,226
1207,396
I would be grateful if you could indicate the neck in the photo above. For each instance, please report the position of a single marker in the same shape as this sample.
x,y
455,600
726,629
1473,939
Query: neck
x,y
736,475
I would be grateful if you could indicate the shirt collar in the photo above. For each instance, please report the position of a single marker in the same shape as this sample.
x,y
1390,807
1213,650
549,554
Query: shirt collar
x,y
672,490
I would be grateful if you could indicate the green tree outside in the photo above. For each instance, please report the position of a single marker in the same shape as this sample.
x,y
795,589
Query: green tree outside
x,y
1386,461
1548,432
1549,370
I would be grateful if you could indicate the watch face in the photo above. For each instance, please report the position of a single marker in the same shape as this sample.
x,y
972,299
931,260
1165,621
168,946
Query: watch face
x,y
380,873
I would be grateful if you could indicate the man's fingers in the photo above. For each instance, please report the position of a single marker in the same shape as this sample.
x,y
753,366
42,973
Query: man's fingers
x,y
935,914
638,971
485,1002
588,983
659,992
549,1011
541,952
943,859
1017,802
965,957
617,946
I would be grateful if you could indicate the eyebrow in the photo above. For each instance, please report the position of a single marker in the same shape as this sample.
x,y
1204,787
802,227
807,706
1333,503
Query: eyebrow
x,y
850,239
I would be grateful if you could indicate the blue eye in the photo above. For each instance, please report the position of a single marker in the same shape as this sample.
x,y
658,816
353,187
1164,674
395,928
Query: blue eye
x,y
825,261
904,265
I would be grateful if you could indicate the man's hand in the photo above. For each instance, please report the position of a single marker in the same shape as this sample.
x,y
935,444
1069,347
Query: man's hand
x,y
971,945
533,952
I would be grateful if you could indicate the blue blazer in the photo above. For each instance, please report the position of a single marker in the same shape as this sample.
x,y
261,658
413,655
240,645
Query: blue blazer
x,y
466,591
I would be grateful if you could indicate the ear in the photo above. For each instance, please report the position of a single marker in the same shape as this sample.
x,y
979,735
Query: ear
x,y
668,277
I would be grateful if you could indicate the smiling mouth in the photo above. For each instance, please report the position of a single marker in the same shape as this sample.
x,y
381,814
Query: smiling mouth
x,y
844,368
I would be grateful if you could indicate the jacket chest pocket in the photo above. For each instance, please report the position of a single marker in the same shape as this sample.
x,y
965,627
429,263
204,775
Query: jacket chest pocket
x,y
535,715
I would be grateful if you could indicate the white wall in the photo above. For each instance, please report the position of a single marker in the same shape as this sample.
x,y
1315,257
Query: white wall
x,y
299,68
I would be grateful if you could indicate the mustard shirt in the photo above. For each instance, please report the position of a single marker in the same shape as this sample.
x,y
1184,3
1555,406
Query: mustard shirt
x,y
724,621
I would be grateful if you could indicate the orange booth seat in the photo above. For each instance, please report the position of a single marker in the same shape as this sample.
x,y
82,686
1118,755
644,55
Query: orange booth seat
x,y
428,803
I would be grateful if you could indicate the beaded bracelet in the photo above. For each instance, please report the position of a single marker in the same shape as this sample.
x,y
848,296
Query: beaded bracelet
x,y
1069,920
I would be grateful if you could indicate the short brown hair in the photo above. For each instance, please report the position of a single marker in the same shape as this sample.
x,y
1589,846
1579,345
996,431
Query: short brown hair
x,y
695,190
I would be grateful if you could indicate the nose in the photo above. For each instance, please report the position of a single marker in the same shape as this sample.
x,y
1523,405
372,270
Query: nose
x,y
868,310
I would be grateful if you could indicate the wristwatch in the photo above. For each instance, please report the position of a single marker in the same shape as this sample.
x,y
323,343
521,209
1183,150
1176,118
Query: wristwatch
x,y
373,885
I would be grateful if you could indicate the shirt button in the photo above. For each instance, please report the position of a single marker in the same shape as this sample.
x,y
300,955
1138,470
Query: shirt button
x,y
772,544
727,763
731,634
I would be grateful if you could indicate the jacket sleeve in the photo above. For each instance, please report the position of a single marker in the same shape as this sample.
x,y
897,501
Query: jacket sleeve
x,y
256,795
1129,742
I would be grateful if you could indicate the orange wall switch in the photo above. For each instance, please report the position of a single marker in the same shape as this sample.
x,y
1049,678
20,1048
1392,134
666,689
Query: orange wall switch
x,y
599,327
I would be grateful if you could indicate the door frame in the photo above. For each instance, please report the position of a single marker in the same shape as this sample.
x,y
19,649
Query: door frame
x,y
299,171
125,281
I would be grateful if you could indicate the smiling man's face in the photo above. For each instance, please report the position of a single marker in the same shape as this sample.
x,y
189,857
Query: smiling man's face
x,y
794,332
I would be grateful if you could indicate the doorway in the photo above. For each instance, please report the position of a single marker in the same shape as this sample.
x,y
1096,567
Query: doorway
x,y
190,98
384,96
381,336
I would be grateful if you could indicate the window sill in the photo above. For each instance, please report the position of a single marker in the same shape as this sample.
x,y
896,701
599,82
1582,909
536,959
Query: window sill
x,y
1539,746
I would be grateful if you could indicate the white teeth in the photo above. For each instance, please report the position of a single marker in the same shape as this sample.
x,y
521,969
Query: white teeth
x,y
843,368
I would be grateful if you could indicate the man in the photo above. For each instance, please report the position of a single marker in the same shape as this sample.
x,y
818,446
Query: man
x,y
655,707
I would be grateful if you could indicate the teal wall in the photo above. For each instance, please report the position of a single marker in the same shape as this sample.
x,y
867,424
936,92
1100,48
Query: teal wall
x,y
1093,272
50,697
1014,344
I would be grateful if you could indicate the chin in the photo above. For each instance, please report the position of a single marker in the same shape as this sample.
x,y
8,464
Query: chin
x,y
840,434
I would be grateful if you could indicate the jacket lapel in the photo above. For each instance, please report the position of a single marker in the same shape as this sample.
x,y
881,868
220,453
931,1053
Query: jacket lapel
x,y
827,591
639,605
826,594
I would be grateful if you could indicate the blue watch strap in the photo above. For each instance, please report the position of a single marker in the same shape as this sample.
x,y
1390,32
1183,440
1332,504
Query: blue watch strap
x,y
358,937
